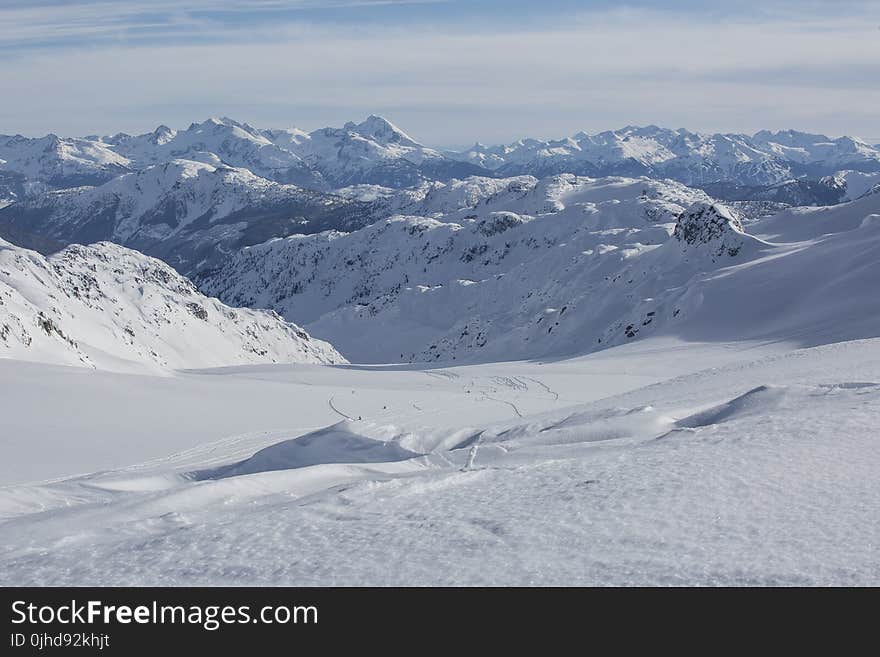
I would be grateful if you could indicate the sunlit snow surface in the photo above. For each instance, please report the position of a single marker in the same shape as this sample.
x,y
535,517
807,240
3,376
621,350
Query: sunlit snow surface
x,y
659,462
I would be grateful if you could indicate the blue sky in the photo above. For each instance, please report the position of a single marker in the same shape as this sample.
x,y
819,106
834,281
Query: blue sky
x,y
449,72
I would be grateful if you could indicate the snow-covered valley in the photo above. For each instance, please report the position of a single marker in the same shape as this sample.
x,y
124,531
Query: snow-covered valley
x,y
651,463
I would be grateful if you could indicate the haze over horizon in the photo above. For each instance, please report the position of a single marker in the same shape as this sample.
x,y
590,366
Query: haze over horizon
x,y
449,73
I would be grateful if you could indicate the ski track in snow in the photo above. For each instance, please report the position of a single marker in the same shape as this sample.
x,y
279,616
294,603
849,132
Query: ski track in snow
x,y
544,386
336,410
503,401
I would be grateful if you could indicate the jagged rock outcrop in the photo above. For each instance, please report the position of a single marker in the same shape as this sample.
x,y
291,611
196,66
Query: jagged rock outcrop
x,y
712,226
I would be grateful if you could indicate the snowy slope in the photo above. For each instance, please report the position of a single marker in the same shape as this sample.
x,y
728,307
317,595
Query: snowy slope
x,y
693,158
440,199
109,307
183,211
572,266
725,465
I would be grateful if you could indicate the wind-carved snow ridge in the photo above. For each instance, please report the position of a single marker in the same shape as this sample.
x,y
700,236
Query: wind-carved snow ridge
x,y
110,307
344,442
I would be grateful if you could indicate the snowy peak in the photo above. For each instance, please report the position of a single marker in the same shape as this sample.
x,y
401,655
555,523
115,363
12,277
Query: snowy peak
x,y
373,151
221,142
382,131
162,135
852,184
109,307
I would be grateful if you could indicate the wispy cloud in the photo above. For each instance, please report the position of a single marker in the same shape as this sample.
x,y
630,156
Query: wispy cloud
x,y
450,82
64,23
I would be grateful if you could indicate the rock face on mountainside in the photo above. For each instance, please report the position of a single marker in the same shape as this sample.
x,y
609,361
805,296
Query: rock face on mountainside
x,y
107,306
710,224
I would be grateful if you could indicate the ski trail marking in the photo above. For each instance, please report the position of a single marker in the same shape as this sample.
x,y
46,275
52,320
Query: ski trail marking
x,y
543,385
511,404
330,403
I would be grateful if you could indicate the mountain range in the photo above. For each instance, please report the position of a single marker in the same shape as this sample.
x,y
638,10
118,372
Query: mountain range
x,y
394,251
377,152
373,151
693,158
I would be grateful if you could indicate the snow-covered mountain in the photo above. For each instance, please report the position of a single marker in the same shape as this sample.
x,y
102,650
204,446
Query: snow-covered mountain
x,y
188,213
438,198
59,161
487,280
693,158
575,265
109,307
